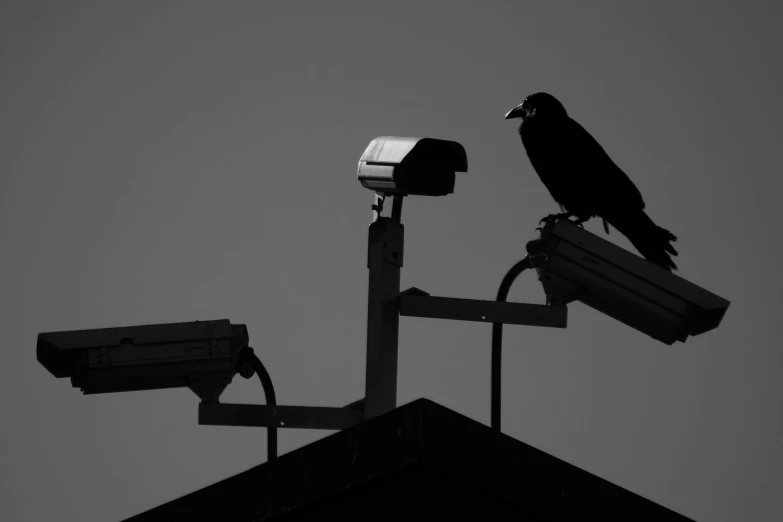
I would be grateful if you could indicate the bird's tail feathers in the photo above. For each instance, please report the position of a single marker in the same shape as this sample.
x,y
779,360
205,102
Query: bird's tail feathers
x,y
652,242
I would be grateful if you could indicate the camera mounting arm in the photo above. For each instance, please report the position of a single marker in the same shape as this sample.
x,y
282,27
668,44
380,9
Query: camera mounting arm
x,y
377,206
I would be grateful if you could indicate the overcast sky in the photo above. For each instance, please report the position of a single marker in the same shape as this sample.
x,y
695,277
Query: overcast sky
x,y
164,162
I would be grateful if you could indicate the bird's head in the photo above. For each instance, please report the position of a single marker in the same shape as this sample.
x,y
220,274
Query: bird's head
x,y
540,103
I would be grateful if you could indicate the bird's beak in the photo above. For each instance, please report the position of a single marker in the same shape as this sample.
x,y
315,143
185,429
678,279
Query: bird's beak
x,y
516,112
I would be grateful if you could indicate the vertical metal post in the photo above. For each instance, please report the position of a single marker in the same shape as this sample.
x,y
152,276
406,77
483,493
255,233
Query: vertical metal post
x,y
384,259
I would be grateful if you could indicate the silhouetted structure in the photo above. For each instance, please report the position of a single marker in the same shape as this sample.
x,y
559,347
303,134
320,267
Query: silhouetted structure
x,y
420,461
584,180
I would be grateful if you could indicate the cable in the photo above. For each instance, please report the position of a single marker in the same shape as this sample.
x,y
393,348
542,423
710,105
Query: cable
x,y
271,400
497,341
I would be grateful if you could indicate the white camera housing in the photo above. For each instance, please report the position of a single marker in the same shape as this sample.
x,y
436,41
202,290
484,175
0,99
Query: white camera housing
x,y
577,265
200,355
411,166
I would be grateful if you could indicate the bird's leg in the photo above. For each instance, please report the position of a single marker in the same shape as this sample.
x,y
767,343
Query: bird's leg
x,y
580,221
555,217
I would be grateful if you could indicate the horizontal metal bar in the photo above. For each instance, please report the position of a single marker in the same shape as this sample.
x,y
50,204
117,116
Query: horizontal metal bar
x,y
259,415
356,405
483,311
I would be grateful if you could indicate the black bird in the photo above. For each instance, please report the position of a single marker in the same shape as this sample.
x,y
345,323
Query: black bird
x,y
584,180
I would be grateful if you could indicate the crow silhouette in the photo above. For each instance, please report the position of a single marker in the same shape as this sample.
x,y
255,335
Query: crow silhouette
x,y
584,180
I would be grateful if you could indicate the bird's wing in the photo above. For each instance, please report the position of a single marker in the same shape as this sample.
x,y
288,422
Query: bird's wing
x,y
608,184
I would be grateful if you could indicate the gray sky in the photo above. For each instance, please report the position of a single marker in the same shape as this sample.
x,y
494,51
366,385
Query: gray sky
x,y
165,162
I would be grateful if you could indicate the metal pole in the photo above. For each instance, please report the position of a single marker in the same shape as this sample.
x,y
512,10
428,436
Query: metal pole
x,y
497,343
384,260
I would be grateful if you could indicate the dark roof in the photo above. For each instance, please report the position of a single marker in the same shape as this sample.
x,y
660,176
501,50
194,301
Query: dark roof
x,y
422,459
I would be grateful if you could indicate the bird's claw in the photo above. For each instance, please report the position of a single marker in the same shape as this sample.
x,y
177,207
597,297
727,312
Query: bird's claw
x,y
565,215
555,217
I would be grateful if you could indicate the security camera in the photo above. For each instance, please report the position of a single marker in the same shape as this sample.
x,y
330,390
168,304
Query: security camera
x,y
200,355
411,166
574,264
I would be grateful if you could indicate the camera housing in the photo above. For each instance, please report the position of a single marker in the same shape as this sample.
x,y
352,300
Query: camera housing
x,y
574,264
200,355
411,166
